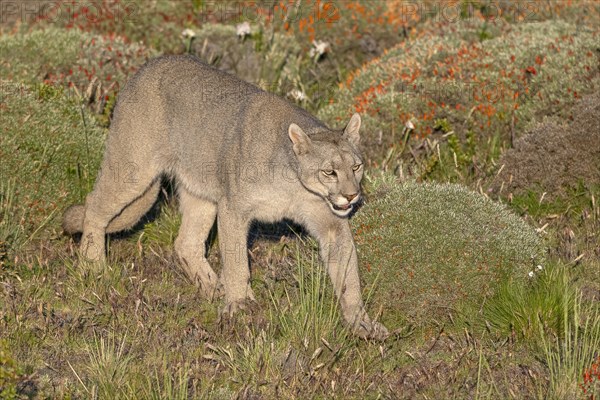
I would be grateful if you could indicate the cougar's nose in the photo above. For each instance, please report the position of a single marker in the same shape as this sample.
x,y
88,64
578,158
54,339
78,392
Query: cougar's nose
x,y
350,197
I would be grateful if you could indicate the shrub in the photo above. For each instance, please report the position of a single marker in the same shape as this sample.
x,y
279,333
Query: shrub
x,y
51,148
432,249
554,157
490,87
93,67
34,55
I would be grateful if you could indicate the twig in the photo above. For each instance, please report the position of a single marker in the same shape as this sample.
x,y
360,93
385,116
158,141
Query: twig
x,y
437,338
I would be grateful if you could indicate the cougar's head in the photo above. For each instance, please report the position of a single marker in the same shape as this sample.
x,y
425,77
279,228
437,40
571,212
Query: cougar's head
x,y
330,164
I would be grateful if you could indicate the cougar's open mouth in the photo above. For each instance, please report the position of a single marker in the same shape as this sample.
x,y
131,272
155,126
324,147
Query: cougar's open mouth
x,y
342,208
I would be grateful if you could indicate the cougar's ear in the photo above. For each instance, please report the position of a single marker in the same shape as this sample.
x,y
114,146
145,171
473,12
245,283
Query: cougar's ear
x,y
351,131
300,140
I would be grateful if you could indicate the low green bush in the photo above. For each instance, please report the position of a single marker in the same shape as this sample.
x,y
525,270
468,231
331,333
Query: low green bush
x,y
30,57
435,249
93,67
50,148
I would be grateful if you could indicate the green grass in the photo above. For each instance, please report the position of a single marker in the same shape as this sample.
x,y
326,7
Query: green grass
x,y
570,352
12,234
50,146
443,266
312,315
163,230
523,309
550,317
569,224
571,204
107,369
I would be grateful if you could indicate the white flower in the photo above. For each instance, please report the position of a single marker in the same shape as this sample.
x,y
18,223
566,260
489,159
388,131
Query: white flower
x,y
188,33
243,29
319,48
530,274
297,94
409,125
539,268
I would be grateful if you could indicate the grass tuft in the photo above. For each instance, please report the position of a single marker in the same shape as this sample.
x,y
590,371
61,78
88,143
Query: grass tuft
x,y
309,313
523,308
12,233
571,354
108,369
168,387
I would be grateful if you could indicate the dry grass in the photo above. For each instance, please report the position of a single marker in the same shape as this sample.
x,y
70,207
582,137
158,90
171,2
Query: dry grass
x,y
136,328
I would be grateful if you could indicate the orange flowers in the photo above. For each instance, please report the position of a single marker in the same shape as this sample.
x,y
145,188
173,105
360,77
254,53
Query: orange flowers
x,y
363,100
589,376
486,109
539,60
531,70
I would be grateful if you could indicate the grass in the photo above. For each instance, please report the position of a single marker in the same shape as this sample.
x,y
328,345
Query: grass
x,y
317,318
110,374
169,386
563,330
12,234
523,309
446,268
570,205
54,146
570,353
107,370
128,319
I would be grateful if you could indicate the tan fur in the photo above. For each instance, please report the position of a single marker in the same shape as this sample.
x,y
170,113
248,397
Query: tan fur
x,y
238,154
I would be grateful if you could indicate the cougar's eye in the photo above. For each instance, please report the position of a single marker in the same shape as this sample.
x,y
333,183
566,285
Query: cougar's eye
x,y
357,167
328,172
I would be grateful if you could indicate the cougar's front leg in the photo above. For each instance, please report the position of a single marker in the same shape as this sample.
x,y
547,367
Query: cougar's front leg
x,y
235,273
339,255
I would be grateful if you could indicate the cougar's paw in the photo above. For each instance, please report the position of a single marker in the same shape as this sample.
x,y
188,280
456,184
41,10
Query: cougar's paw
x,y
90,251
202,276
371,330
246,307
209,287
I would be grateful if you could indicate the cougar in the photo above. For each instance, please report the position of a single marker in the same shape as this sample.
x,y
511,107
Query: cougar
x,y
238,154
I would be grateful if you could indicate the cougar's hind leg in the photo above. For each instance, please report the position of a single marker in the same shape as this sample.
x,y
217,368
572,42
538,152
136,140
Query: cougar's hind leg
x,y
198,217
118,185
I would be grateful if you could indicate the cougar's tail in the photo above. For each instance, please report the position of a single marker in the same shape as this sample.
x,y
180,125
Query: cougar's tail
x,y
73,217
